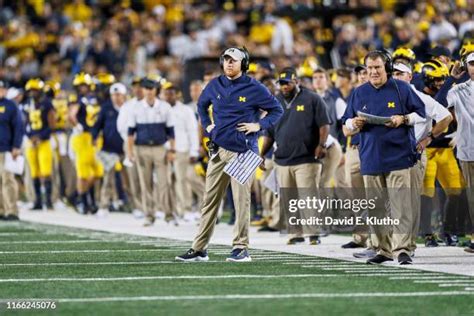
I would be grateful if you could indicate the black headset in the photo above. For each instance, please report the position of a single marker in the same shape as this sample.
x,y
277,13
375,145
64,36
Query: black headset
x,y
386,57
245,61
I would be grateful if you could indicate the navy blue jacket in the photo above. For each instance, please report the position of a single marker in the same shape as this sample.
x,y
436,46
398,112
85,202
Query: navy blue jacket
x,y
233,102
11,126
383,149
107,123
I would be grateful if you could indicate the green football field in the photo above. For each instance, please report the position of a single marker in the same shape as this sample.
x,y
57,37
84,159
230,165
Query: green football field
x,y
96,273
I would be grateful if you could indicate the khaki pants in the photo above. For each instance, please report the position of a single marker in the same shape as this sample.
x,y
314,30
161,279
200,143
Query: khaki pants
x,y
8,190
133,187
468,173
417,174
396,239
108,191
307,176
149,160
269,199
330,166
216,183
181,185
360,235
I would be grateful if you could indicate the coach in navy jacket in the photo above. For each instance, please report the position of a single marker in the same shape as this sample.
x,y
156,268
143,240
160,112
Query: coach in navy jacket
x,y
387,152
237,101
11,136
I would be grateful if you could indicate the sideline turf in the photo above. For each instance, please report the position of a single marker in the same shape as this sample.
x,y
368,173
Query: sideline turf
x,y
344,283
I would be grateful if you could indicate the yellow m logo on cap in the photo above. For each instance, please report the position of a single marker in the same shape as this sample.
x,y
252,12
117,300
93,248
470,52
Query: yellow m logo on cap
x,y
300,108
391,104
242,99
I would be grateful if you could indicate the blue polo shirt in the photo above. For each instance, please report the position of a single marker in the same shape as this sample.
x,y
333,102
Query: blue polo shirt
x,y
233,102
383,149
11,126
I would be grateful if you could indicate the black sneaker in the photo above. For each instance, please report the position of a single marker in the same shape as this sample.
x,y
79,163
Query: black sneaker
x,y
470,249
37,207
451,240
404,258
430,241
239,255
295,240
352,245
93,209
267,229
314,240
193,256
378,259
49,206
12,217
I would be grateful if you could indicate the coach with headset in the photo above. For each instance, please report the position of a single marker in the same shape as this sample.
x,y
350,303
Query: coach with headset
x,y
387,152
236,102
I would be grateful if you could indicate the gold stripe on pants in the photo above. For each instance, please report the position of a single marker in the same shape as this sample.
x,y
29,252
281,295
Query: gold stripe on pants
x,y
8,190
150,159
216,183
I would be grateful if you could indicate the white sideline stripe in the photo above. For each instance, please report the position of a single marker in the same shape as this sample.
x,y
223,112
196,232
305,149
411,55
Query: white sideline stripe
x,y
368,267
315,260
410,272
440,277
82,250
185,277
244,296
99,263
79,241
439,281
455,284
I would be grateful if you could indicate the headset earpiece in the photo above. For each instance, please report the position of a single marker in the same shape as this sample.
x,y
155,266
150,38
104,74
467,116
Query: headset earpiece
x,y
245,62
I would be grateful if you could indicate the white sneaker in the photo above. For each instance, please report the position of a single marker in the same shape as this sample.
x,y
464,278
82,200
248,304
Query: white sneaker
x,y
138,214
160,215
102,213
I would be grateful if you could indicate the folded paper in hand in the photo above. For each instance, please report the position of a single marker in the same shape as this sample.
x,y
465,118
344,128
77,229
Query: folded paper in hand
x,y
14,166
108,159
374,119
242,167
271,182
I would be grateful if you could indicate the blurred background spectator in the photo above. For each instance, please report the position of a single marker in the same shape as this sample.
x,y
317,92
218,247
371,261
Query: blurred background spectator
x,y
180,40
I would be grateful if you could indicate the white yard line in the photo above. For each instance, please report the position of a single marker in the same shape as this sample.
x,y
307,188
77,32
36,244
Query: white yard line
x,y
439,281
178,277
111,263
440,277
246,296
455,284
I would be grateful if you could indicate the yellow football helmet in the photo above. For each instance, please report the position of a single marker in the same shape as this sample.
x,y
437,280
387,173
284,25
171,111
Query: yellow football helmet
x,y
82,79
404,52
34,84
435,69
52,86
105,78
466,48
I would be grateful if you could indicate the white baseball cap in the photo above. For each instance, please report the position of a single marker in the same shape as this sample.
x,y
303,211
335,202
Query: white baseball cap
x,y
470,57
118,88
12,93
402,67
234,53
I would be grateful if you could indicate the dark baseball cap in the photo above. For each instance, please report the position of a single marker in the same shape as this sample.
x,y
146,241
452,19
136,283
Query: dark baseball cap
x,y
440,51
148,83
287,75
344,73
359,68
